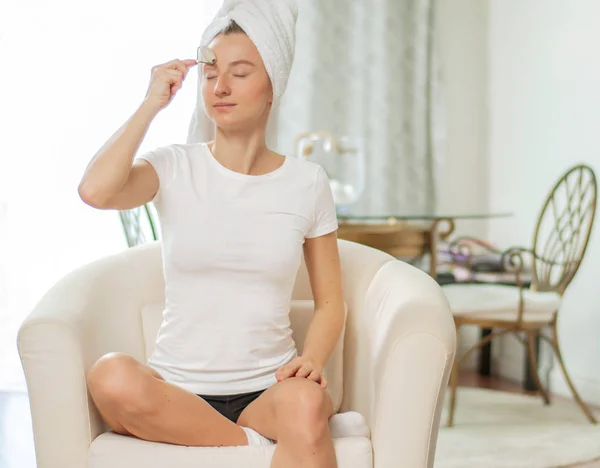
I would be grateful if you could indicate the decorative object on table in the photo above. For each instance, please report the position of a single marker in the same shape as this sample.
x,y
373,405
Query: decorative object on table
x,y
472,260
139,225
511,430
343,160
560,241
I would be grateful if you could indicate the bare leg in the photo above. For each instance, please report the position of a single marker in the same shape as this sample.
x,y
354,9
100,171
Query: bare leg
x,y
135,400
296,413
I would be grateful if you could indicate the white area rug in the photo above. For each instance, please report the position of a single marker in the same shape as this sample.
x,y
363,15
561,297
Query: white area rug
x,y
507,430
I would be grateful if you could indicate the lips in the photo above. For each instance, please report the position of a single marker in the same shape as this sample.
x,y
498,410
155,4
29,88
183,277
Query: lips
x,y
224,104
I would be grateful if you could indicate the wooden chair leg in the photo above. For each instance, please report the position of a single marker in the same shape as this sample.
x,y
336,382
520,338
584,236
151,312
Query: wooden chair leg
x,y
578,399
531,338
454,380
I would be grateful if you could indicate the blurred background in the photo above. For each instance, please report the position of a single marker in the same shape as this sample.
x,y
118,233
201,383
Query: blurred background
x,y
459,115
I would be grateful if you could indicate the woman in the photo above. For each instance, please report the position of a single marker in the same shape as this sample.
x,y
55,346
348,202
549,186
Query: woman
x,y
236,219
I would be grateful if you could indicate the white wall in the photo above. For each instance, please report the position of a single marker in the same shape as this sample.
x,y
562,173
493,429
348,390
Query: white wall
x,y
84,72
462,31
544,83
462,28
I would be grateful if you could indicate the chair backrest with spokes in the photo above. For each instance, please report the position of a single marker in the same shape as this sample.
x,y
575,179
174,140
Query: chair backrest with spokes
x,y
563,229
140,225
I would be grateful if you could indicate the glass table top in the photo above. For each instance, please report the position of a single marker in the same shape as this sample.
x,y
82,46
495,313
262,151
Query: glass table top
x,y
350,215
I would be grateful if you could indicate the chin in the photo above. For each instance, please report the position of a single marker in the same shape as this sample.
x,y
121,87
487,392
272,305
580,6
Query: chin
x,y
232,123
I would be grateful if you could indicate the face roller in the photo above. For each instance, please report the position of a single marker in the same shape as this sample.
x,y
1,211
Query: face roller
x,y
205,55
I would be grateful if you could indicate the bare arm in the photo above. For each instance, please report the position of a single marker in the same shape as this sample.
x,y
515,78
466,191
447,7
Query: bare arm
x,y
323,265
112,180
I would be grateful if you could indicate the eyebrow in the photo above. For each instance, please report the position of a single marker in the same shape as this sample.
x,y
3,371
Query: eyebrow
x,y
233,64
240,62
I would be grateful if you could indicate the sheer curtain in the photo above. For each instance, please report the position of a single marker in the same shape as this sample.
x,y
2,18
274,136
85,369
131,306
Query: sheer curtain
x,y
72,73
370,70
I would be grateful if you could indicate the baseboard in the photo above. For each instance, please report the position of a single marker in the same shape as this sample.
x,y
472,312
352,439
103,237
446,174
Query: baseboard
x,y
508,360
588,389
508,367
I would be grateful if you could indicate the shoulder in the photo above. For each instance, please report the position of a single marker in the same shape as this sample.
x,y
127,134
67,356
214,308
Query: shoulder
x,y
174,151
307,171
171,158
182,150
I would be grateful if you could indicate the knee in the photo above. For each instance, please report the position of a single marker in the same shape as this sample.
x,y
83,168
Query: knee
x,y
304,411
114,380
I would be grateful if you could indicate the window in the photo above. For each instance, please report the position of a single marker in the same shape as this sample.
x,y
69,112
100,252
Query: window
x,y
72,73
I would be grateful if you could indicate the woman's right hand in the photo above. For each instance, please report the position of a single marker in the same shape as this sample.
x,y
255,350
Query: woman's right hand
x,y
166,80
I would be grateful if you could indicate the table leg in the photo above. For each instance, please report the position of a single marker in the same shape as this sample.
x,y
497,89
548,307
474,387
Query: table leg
x,y
529,383
485,358
434,232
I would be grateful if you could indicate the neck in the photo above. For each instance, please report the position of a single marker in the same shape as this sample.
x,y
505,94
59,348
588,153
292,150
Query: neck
x,y
243,152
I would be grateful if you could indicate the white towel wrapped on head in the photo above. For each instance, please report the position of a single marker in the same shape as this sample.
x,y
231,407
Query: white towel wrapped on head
x,y
271,26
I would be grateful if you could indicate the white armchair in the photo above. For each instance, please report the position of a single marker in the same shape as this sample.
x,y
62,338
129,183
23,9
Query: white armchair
x,y
398,348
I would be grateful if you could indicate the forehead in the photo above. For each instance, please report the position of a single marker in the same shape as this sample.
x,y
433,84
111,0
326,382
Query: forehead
x,y
233,47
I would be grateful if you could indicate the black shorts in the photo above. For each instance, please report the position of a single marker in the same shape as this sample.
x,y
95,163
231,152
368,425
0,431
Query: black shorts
x,y
231,406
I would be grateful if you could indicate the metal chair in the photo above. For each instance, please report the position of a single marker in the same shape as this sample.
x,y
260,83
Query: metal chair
x,y
139,224
560,240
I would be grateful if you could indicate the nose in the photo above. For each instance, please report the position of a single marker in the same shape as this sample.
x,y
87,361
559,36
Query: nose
x,y
222,87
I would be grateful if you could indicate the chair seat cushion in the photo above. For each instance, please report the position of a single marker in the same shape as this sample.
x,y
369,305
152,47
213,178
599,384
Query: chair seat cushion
x,y
500,302
111,450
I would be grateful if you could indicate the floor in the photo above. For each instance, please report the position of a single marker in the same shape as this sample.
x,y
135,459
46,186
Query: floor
x,y
16,439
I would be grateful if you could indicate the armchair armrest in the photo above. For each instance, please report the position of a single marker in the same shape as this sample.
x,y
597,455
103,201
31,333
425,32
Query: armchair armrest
x,y
413,343
91,311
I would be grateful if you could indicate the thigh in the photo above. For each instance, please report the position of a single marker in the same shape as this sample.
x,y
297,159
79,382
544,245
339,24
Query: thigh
x,y
282,402
124,389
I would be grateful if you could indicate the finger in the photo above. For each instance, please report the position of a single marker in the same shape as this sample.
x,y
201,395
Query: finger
x,y
303,372
178,64
174,72
324,382
172,76
289,370
175,65
184,65
314,376
165,66
190,62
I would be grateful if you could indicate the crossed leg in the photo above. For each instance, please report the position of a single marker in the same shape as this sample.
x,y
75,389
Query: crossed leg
x,y
295,413
135,400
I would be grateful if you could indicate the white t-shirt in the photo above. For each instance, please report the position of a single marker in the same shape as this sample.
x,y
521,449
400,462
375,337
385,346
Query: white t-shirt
x,y
232,246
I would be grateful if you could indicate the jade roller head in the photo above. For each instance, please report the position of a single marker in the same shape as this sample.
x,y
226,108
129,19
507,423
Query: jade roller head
x,y
205,55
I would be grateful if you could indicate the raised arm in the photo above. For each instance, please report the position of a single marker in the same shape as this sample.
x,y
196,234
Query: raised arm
x,y
112,179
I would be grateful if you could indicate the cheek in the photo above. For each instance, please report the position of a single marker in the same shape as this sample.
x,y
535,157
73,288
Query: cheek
x,y
207,90
255,92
